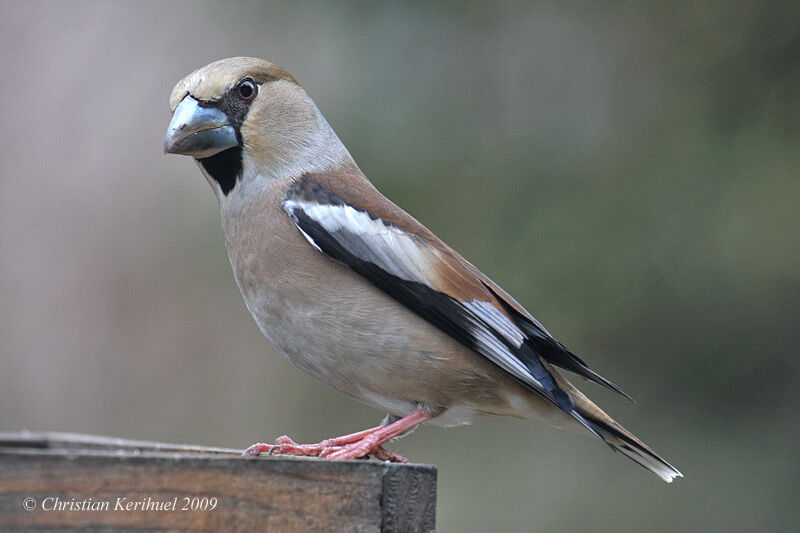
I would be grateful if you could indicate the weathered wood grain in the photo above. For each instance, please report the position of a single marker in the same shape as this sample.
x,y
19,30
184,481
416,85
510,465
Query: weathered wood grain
x,y
261,494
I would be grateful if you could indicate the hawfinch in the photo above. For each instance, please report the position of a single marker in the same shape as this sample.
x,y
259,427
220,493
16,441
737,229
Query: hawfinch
x,y
354,290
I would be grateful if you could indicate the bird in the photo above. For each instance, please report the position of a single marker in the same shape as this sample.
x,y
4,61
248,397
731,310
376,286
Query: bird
x,y
356,292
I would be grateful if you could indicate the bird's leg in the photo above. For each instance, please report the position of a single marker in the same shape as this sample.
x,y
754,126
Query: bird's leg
x,y
372,443
353,446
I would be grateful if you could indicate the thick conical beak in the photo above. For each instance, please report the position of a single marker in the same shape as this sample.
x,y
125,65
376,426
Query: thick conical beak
x,y
198,131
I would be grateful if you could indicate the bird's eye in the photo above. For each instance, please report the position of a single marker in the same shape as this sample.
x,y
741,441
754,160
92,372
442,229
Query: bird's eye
x,y
247,89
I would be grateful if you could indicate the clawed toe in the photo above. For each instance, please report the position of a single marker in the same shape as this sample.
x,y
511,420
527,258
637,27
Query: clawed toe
x,y
284,445
257,449
383,454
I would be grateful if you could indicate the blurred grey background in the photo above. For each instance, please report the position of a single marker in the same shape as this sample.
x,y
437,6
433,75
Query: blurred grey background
x,y
630,173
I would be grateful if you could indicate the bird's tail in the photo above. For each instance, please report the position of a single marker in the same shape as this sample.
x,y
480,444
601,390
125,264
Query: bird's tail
x,y
623,441
620,439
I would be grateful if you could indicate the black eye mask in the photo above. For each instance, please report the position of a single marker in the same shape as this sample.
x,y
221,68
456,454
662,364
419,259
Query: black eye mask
x,y
226,166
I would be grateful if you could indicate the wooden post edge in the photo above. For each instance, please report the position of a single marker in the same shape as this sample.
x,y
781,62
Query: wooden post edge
x,y
76,482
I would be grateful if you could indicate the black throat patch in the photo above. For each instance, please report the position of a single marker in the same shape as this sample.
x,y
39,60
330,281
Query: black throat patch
x,y
225,167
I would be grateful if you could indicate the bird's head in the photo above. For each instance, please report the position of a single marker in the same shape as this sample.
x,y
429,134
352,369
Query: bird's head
x,y
243,117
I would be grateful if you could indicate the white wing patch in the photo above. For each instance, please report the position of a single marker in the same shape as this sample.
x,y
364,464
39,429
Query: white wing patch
x,y
403,256
384,245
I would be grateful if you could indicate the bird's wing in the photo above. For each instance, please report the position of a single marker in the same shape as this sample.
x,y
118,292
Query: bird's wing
x,y
354,224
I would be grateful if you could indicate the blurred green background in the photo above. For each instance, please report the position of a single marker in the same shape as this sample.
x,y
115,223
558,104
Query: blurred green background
x,y
631,173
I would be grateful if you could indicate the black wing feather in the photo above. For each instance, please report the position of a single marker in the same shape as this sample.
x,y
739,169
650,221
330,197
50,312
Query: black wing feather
x,y
553,351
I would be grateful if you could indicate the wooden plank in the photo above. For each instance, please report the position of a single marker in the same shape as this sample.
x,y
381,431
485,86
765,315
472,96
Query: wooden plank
x,y
78,482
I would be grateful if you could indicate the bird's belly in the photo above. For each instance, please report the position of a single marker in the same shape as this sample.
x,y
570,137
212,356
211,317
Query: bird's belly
x,y
335,341
343,331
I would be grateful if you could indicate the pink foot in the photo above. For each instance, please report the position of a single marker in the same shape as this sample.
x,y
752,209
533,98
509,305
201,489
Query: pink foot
x,y
286,446
354,446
